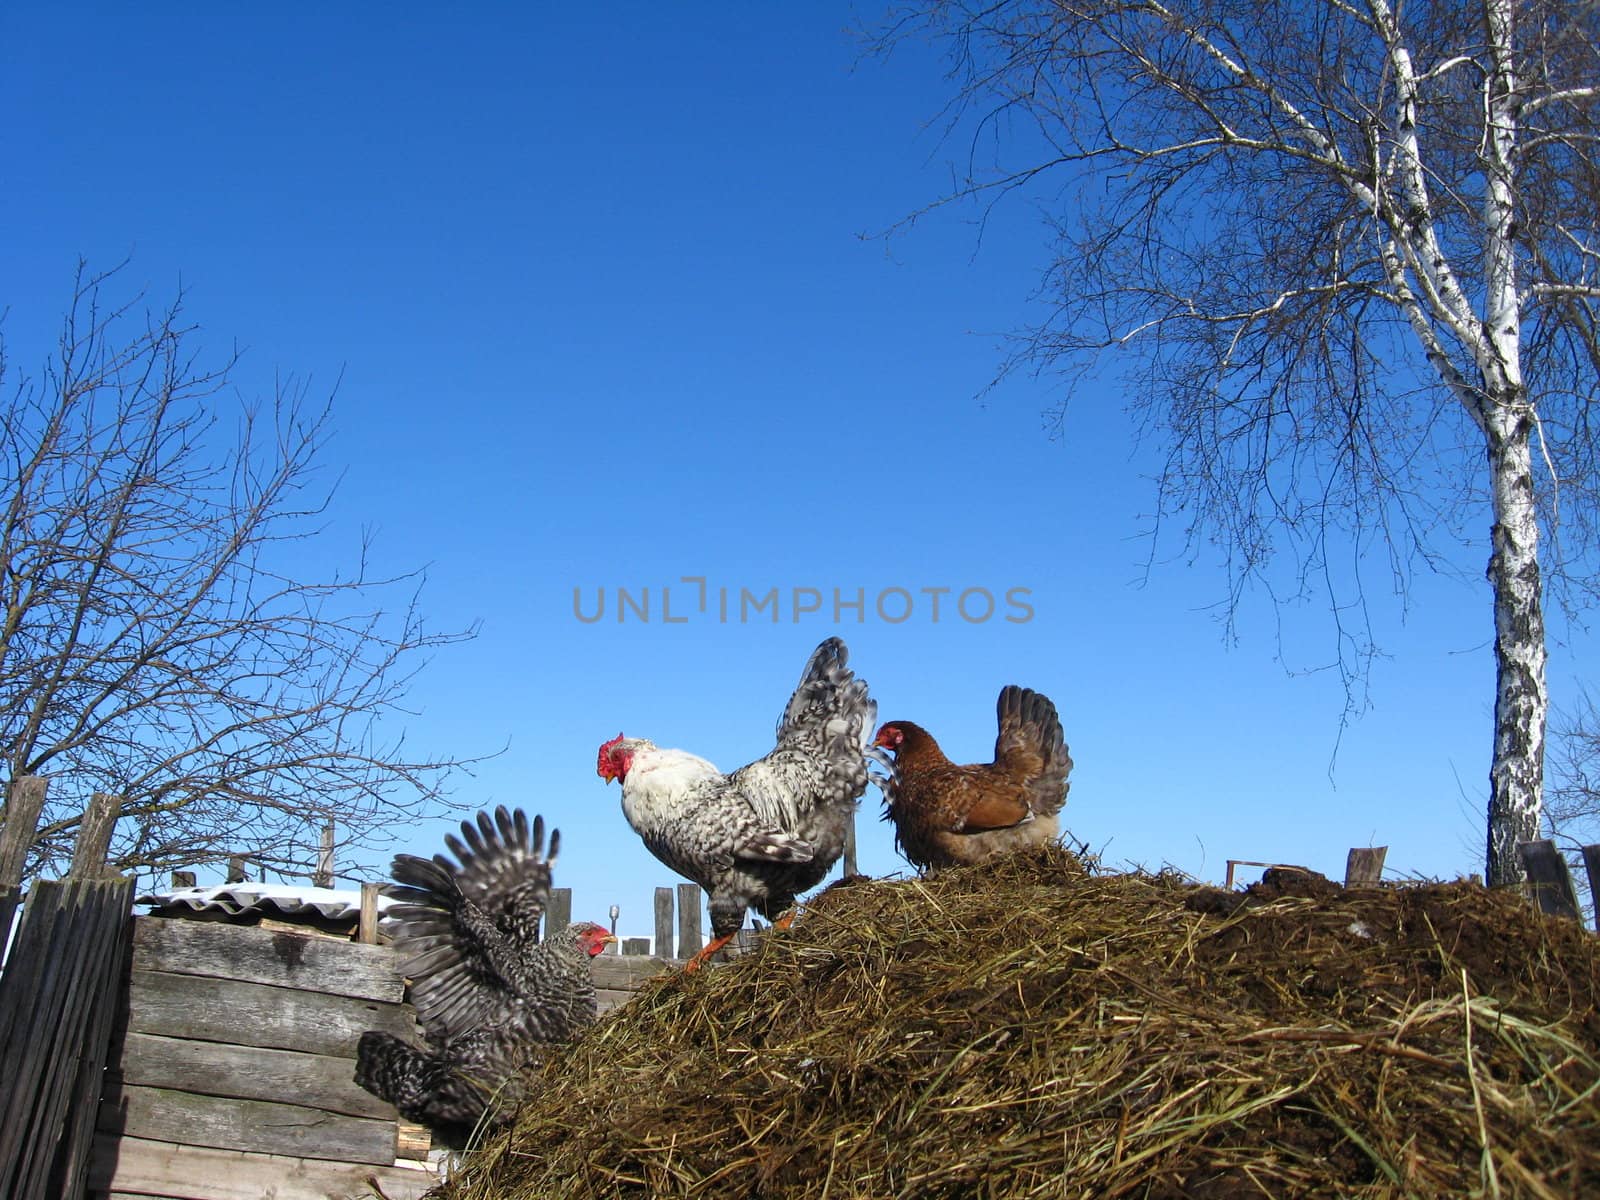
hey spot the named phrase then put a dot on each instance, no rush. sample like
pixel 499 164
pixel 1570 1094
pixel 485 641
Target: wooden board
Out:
pixel 625 972
pixel 249 1073
pixel 1364 866
pixel 247 1125
pixel 254 1014
pixel 138 1167
pixel 1549 881
pixel 278 957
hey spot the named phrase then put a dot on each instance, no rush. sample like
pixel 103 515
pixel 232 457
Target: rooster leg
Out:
pixel 699 960
pixel 785 919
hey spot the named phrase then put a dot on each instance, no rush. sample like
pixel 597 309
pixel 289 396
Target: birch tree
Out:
pixel 1346 254
pixel 166 638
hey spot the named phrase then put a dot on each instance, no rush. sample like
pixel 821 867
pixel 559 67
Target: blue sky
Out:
pixel 598 290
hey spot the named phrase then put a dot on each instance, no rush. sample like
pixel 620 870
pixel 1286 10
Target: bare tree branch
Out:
pixel 161 641
pixel 1346 254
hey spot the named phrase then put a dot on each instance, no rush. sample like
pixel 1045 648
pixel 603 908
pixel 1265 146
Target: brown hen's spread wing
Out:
pixel 1030 747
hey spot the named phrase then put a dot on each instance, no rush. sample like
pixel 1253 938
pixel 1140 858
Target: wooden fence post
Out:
pixel 94 836
pixel 1591 865
pixel 689 941
pixel 636 947
pixel 367 926
pixel 324 875
pixel 850 847
pixel 183 879
pixel 559 914
pixel 236 872
pixel 663 922
pixel 24 803
pixel 1364 866
pixel 1549 881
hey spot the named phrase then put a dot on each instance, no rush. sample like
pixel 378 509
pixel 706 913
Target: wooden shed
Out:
pixel 231 1076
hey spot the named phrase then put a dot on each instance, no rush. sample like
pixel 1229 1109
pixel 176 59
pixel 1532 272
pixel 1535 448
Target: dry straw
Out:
pixel 1032 1028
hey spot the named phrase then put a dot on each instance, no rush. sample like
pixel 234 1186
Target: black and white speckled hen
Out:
pixel 491 998
pixel 758 837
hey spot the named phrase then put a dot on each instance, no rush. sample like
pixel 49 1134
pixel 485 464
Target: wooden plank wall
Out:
pixel 618 976
pixel 234 1075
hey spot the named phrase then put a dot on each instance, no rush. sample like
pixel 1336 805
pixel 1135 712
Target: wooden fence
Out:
pixel 235 1073
pixel 58 998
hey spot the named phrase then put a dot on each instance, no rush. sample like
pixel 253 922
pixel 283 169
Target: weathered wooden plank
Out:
pixel 689 939
pixel 1591 865
pixel 323 876
pixel 663 945
pixel 367 922
pixel 10 901
pixel 636 947
pixel 1548 879
pixel 249 1073
pixel 1364 866
pixel 254 1126
pixel 139 1167
pixel 24 802
pixel 272 956
pixel 624 971
pixel 558 914
pixel 256 1014
pixel 94 836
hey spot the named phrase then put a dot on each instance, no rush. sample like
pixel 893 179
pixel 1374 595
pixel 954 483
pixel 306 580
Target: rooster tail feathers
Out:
pixel 1031 727
pixel 831 715
pixel 827 692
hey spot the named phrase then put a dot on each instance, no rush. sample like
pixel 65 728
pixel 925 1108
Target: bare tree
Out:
pixel 1351 251
pixel 163 640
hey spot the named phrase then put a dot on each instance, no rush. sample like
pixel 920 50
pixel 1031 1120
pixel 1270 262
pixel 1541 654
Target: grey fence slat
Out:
pixel 1591 865
pixel 559 914
pixel 689 940
pixel 94 836
pixel 10 901
pixel 663 941
pixel 1364 866
pixel 1549 878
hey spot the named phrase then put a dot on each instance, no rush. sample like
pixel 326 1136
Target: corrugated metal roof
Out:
pixel 286 899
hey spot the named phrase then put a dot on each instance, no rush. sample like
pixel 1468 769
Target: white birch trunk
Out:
pixel 1516 776
pixel 1521 702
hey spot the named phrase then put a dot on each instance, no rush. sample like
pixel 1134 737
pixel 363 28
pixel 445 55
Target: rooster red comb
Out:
pixel 603 759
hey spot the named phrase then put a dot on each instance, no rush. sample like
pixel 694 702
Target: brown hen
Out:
pixel 945 814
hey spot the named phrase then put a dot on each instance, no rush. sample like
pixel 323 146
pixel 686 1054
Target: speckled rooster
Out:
pixel 758 837
pixel 490 996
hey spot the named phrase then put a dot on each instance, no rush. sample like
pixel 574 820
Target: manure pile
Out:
pixel 1030 1028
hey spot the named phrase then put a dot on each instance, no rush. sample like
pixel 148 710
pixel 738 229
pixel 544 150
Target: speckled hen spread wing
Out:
pixel 823 749
pixel 467 931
